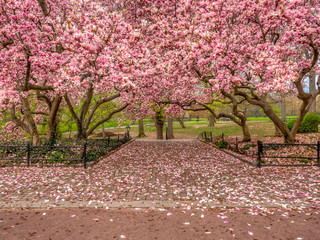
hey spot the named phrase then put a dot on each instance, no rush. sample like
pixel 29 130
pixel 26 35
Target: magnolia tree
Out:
pixel 104 46
pixel 31 57
pixel 243 50
pixel 54 50
pixel 253 49
pixel 161 78
pixel 165 53
pixel 169 33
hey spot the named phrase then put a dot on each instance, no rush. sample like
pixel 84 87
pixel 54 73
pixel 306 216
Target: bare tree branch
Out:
pixel 97 105
pixel 106 119
pixel 44 7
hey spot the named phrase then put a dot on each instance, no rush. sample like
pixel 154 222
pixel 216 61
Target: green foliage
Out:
pixel 62 150
pixel 222 144
pixel 308 125
pixel 290 124
pixel 268 119
pixel 274 109
pixel 58 155
pixel 304 160
pixel 248 146
pixel 94 155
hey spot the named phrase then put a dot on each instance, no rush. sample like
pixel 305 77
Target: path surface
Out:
pixel 161 224
pixel 161 174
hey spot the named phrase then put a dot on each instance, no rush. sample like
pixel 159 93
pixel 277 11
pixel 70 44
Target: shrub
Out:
pixel 93 155
pixel 248 146
pixel 222 144
pixel 290 124
pixel 308 125
pixel 58 155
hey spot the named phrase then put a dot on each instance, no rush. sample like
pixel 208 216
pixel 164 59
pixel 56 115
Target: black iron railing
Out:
pixel 262 147
pixel 61 154
pixel 206 136
pixel 30 154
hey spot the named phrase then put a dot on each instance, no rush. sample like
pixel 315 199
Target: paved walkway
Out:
pixel 161 174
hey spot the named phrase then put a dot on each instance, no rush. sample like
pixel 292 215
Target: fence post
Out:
pixel 237 144
pixel 28 154
pixel 211 136
pixel 85 155
pixel 108 140
pixel 205 135
pixel 318 152
pixel 166 133
pixel 259 153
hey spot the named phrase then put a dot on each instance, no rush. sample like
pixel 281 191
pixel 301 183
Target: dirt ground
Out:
pixel 160 224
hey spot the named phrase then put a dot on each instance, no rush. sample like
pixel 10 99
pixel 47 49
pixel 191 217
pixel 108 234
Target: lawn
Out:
pixel 193 129
pixel 260 126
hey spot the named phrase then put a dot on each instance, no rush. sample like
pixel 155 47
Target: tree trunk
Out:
pixel 81 132
pixel 35 139
pixel 211 121
pixel 141 129
pixel 312 90
pixel 283 109
pixel 170 129
pixel 288 136
pixel 30 122
pixel 159 125
pixel 53 120
pixel 181 122
pixel 245 131
pixel 241 115
pixel 277 131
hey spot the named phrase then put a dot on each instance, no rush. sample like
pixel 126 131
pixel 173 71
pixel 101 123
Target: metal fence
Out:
pixel 262 151
pixel 62 154
pixel 206 136
pixel 38 154
pixel 262 147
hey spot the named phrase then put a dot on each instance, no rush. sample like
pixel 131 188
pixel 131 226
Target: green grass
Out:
pixel 231 129
pixel 261 128
pixel 63 127
pixel 268 119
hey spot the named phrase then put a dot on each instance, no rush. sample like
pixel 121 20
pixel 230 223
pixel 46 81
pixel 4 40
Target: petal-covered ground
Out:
pixel 179 172
pixel 162 224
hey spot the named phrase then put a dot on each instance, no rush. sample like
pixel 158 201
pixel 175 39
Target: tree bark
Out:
pixel 30 122
pixel 141 129
pixel 53 119
pixel 312 90
pixel 44 7
pixel 83 122
pixel 265 106
pixel 181 122
pixel 159 125
pixel 170 129
pixel 245 132
pixel 211 120
pixel 107 118
pixel 278 133
pixel 288 136
pixel 283 109
pixel 241 115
